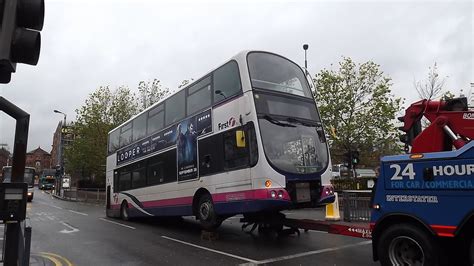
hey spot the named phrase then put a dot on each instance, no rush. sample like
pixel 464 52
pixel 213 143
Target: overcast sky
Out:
pixel 86 44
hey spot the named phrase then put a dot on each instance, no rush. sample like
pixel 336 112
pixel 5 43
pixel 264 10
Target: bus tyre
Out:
pixel 206 213
pixel 124 211
pixel 406 244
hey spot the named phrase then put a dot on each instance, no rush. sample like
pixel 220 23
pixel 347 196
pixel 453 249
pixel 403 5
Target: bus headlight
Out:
pixel 29 193
pixel 273 194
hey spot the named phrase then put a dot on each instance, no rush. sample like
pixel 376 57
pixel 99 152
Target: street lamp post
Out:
pixel 61 147
pixel 59 112
pixel 305 48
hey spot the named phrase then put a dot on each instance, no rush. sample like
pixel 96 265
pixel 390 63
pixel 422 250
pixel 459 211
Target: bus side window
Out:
pixel 139 176
pixel 155 174
pixel 226 82
pixel 162 168
pixel 234 156
pixel 125 181
pixel 210 151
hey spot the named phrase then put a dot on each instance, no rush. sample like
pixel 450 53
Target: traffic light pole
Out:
pixel 12 237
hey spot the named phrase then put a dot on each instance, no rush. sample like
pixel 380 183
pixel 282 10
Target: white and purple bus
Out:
pixel 244 139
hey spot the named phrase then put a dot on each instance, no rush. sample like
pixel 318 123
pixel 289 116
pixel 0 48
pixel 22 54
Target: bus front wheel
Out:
pixel 206 214
pixel 124 211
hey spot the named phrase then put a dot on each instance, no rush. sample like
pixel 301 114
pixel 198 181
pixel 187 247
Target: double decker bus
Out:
pixel 29 178
pixel 245 138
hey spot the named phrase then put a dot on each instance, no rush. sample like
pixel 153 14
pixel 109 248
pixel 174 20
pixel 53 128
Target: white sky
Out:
pixel 86 44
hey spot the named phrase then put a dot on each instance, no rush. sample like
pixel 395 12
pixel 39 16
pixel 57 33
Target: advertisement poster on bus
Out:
pixel 201 125
pixel 186 145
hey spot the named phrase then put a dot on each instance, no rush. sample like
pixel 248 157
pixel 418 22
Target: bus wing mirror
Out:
pixel 240 138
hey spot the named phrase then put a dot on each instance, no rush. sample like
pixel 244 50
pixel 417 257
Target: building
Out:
pixel 5 157
pixel 39 159
pixel 63 137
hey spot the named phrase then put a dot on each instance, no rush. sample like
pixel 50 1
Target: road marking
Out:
pixel 314 252
pixel 55 258
pixel 65 231
pixel 57 207
pixel 52 259
pixel 212 250
pixel 81 213
pixel 124 225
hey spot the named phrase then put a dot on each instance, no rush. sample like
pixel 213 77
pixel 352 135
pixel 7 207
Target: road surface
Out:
pixel 71 233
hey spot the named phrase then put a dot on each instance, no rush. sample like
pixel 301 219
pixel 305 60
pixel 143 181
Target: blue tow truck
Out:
pixel 423 202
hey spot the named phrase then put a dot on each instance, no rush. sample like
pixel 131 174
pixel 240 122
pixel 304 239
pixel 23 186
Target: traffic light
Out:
pixel 355 158
pixel 20 39
pixel 59 170
pixel 348 159
pixel 410 133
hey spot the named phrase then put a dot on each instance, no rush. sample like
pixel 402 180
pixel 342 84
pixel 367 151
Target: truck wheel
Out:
pixel 206 214
pixel 405 244
pixel 124 211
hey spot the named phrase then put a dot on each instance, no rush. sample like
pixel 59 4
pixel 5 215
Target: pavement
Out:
pixel 74 233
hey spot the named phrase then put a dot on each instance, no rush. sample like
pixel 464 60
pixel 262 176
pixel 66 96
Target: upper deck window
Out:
pixel 175 108
pixel 114 141
pixel 139 127
pixel 156 118
pixel 199 96
pixel 272 72
pixel 226 81
pixel 126 134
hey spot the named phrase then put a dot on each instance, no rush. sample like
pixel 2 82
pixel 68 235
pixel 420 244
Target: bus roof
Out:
pixel 238 57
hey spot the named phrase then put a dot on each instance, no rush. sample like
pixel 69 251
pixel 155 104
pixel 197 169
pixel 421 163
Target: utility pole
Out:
pixel 20 42
pixel 12 235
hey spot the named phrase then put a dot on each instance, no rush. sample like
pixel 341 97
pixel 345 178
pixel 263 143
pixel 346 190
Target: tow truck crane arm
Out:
pixel 451 124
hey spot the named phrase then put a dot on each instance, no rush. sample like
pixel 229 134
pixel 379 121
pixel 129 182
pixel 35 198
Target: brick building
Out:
pixel 62 138
pixel 5 157
pixel 39 159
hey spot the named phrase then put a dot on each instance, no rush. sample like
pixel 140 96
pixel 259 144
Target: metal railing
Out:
pixel 356 205
pixel 92 195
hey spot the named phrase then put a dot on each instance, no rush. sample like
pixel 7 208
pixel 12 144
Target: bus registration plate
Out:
pixel 303 192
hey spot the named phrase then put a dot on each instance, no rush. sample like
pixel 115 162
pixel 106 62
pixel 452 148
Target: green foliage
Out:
pixel 447 95
pixel 102 111
pixel 358 109
pixel 150 93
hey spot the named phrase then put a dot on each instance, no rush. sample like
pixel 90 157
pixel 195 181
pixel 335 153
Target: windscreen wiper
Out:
pixel 301 122
pixel 276 122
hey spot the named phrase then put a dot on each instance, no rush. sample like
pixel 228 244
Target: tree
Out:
pixel 102 111
pixel 358 109
pixel 150 93
pixel 432 87
pixel 87 153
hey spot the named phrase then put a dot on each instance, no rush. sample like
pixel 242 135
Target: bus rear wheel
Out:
pixel 124 211
pixel 206 214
